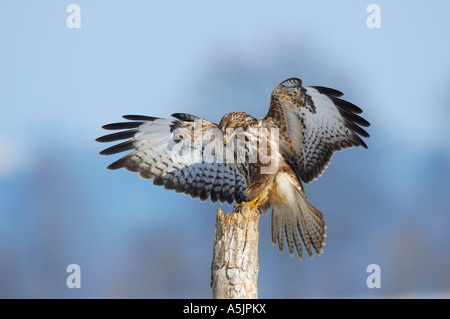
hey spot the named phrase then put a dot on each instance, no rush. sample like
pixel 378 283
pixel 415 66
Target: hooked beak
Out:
pixel 227 139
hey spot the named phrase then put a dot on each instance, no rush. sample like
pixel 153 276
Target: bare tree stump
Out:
pixel 234 269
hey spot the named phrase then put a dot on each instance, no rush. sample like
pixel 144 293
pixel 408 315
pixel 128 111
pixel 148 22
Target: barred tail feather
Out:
pixel 294 217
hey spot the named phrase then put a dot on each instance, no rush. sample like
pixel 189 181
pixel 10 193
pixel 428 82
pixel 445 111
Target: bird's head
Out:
pixel 231 122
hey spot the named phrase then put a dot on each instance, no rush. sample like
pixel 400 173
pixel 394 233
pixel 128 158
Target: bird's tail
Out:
pixel 293 215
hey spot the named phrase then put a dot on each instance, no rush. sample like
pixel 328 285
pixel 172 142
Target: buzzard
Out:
pixel 300 133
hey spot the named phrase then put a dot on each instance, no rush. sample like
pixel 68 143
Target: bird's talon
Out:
pixel 238 206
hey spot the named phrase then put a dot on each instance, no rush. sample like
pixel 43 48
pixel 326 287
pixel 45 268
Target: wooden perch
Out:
pixel 234 269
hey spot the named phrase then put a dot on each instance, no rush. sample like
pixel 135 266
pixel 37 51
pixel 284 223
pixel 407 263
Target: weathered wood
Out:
pixel 235 266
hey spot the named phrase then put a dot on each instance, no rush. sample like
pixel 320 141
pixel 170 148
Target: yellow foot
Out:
pixel 254 203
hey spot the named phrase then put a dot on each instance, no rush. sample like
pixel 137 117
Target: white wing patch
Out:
pixel 324 133
pixel 318 123
pixel 167 152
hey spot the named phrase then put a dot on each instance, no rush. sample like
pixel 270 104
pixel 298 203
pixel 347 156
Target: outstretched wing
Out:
pixel 178 154
pixel 314 123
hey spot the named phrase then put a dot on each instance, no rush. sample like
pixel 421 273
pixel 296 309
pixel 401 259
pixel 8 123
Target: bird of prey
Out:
pixel 303 128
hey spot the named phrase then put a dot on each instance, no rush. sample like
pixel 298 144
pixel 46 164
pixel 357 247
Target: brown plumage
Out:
pixel 262 162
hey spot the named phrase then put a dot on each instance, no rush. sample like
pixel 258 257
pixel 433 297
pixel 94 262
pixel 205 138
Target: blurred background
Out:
pixel 388 205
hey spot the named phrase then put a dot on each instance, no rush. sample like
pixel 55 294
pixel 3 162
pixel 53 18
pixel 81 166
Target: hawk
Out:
pixel 301 131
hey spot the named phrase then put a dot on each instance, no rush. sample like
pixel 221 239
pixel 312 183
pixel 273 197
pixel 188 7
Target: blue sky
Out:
pixel 60 85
